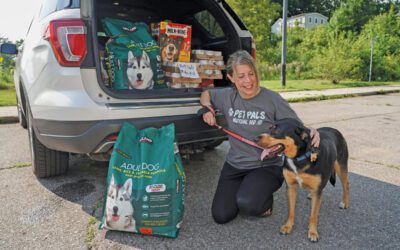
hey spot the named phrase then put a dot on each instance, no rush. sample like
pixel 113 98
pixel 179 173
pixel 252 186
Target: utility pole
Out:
pixel 284 34
pixel 370 59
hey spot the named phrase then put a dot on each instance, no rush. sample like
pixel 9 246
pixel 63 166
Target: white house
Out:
pixel 306 20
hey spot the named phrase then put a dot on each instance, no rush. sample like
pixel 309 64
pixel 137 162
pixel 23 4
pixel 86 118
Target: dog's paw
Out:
pixel 309 196
pixel 286 229
pixel 313 236
pixel 343 205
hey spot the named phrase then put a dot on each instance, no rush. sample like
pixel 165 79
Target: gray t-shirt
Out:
pixel 250 118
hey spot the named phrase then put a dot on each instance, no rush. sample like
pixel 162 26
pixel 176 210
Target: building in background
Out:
pixel 306 20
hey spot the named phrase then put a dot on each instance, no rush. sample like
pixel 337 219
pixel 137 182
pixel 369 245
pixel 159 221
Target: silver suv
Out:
pixel 68 107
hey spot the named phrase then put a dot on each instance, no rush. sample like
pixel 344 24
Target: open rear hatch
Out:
pixel 211 30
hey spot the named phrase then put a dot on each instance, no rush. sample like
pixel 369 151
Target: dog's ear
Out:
pixel 128 186
pixel 162 39
pixel 145 56
pixel 112 182
pixel 303 132
pixel 131 57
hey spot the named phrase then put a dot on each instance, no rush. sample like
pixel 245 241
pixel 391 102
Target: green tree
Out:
pixel 325 7
pixel 385 29
pixel 339 60
pixel 6 67
pixel 258 15
pixel 352 15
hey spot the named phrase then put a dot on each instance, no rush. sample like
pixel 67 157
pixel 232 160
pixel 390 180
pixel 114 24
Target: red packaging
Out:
pixel 207 83
pixel 174 39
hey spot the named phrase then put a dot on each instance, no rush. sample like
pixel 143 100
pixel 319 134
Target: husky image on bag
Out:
pixel 139 71
pixel 119 209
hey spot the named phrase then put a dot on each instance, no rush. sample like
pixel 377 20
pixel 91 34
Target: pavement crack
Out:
pixel 18 165
pixel 355 118
pixel 90 227
pixel 397 167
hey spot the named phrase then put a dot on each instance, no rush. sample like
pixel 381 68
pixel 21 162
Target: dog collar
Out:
pixel 303 157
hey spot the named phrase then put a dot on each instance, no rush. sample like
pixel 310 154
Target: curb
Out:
pixel 9 119
pixel 339 96
pixel 14 119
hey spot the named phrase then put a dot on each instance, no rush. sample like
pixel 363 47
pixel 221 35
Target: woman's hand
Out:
pixel 314 137
pixel 209 118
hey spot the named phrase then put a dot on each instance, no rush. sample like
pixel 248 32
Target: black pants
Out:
pixel 246 191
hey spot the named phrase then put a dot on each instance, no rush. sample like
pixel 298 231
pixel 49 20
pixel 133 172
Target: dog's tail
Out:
pixel 332 180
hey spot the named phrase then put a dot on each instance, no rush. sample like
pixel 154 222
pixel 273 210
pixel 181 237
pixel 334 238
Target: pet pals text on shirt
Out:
pixel 246 117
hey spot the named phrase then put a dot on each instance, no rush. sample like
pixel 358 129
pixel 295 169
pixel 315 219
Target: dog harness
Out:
pixel 298 160
pixel 264 152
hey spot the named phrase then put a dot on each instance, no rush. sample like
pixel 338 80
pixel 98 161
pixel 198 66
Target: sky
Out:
pixel 15 17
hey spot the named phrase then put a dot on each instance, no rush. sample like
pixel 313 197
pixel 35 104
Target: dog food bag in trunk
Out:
pixel 133 56
pixel 145 183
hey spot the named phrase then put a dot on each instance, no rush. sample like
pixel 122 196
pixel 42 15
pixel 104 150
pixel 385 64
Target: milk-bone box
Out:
pixel 174 40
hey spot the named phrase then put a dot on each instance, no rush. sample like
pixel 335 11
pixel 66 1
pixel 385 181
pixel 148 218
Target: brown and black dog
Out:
pixel 306 168
pixel 170 48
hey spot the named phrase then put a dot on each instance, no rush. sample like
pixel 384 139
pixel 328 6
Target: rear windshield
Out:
pixel 68 4
pixel 51 6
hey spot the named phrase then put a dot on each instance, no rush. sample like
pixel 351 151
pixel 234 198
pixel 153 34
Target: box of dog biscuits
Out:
pixel 174 40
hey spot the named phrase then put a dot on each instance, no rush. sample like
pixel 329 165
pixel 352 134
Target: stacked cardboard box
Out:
pixel 211 64
pixel 182 74
pixel 175 44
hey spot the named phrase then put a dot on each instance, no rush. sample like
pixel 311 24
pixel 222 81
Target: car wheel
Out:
pixel 45 162
pixel 21 116
pixel 213 144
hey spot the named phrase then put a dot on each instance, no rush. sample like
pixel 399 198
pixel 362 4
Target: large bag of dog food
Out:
pixel 145 183
pixel 133 56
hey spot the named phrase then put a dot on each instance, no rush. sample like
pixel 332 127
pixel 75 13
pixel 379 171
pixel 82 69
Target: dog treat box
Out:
pixel 182 74
pixel 174 40
pixel 211 63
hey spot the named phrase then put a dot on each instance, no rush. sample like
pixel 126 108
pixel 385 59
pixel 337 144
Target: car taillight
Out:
pixel 68 40
pixel 253 49
pixel 112 138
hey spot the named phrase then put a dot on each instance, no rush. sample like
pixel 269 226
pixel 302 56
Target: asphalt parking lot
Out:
pixel 64 212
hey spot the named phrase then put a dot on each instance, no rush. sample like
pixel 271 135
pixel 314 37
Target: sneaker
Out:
pixel 269 211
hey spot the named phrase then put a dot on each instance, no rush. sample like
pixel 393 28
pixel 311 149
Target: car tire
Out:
pixel 21 116
pixel 45 162
pixel 213 144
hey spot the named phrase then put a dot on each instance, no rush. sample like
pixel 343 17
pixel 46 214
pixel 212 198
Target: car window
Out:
pixel 75 3
pixel 209 23
pixel 64 4
pixel 48 7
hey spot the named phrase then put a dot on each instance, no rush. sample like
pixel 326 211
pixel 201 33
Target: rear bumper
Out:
pixel 88 137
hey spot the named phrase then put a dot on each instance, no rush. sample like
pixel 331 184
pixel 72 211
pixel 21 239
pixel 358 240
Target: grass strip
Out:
pixel 18 165
pixel 90 232
pixel 315 84
pixel 7 97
